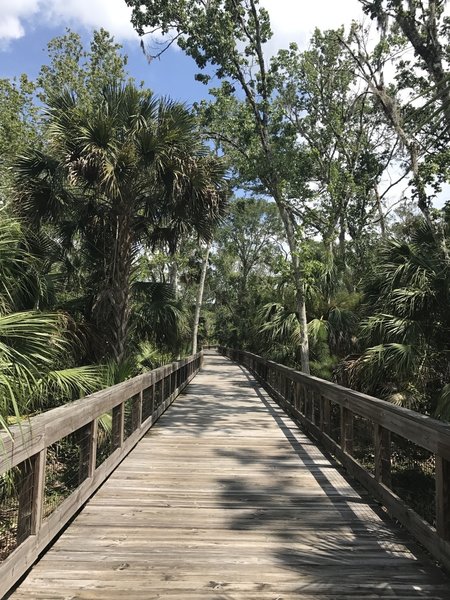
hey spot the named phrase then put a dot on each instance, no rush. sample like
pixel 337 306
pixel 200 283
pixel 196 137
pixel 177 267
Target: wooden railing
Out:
pixel 393 437
pixel 55 461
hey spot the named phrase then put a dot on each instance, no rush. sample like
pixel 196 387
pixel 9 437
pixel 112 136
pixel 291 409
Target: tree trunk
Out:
pixel 199 300
pixel 392 112
pixel 424 37
pixel 173 276
pixel 120 301
pixel 380 212
pixel 342 243
pixel 111 310
pixel 300 290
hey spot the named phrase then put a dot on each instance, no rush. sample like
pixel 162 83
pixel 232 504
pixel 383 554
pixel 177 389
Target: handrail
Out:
pixel 310 401
pixel 133 407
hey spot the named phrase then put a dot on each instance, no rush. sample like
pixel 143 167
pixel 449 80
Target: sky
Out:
pixel 27 25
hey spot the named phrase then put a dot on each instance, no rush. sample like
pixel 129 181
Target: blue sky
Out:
pixel 172 75
pixel 26 26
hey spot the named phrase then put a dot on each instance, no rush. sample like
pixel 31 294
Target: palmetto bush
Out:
pixel 35 346
pixel 407 332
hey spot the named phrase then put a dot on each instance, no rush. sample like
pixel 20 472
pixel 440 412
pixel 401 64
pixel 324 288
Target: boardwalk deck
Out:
pixel 225 499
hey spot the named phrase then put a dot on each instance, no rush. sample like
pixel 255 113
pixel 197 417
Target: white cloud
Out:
pixel 113 15
pixel 292 20
pixel 12 12
pixel 17 15
pixel 295 20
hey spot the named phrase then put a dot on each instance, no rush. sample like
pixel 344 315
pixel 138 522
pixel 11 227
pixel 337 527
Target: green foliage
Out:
pixel 18 127
pixel 33 344
pixel 86 72
pixel 322 102
pixel 125 173
pixel 159 318
pixel 407 328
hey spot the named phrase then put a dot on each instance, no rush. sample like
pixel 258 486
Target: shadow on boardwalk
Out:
pixel 225 499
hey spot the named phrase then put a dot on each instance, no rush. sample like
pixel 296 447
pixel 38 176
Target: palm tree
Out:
pixel 118 174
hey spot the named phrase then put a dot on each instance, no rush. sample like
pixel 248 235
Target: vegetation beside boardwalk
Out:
pixel 331 258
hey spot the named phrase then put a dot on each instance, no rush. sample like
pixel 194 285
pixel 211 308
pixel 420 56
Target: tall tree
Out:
pixel 119 170
pixel 322 100
pixel 18 127
pixel 228 36
pixel 417 142
pixel 424 23
pixel 85 71
pixel 199 298
pixel 406 330
pixel 249 233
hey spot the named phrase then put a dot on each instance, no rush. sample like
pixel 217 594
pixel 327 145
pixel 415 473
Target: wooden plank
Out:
pixel 118 424
pixel 136 411
pixel 260 512
pixel 93 438
pixel 38 491
pixel 26 487
pixel 382 438
pixel 443 498
pixel 424 431
pixel 346 430
pixel 13 567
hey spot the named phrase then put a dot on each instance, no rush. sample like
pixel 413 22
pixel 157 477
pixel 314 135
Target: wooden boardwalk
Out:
pixel 225 499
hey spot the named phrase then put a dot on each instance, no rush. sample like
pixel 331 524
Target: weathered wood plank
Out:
pixel 226 498
pixel 34 536
pixel 424 431
pixel 22 442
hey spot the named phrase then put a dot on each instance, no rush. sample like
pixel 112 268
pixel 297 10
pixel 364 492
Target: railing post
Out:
pixel 313 400
pixel 118 422
pixel 136 411
pixel 382 438
pixel 93 448
pixel 346 430
pixel 153 403
pixel 297 392
pixel 289 395
pixel 300 398
pixel 309 405
pixel 88 450
pixel 443 497
pixel 31 495
pixel 38 490
pixel 325 415
pixel 284 381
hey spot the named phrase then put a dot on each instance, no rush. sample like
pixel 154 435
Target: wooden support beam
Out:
pixel 346 430
pixel 37 505
pixel 31 485
pixel 118 422
pixel 325 418
pixel 443 498
pixel 93 438
pixel 382 438
pixel 136 411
